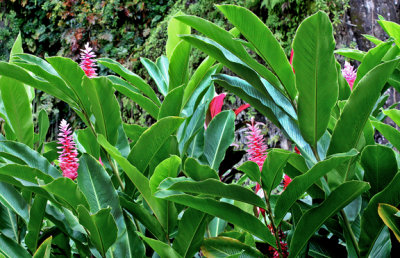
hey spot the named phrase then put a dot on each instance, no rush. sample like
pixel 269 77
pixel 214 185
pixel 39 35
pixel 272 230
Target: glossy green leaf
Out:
pixel 387 213
pixel 135 247
pixel 18 109
pixel 161 248
pixel 192 227
pixel 344 88
pixel 12 199
pixel 313 219
pixel 356 112
pixel 179 66
pixel 162 63
pixel 28 157
pixel 88 141
pixel 11 249
pixel 139 180
pixel 129 91
pixel 44 250
pixel 252 170
pixel 218 137
pixel 226 247
pixel 171 105
pixel 213 187
pixel 104 107
pixel 372 59
pixel 272 169
pixel 44 124
pixel 351 53
pixel 389 132
pixel 373 39
pixel 101 227
pixel 394 114
pixel 380 166
pixel 222 210
pixel 316 75
pixel 156 75
pixel 133 132
pixel 192 127
pixel 16 48
pixel 131 77
pixel 143 216
pixel 175 28
pixel 371 224
pixel 198 172
pixel 36 215
pixel 8 223
pixel 301 183
pixel 392 29
pixel 259 35
pixel 167 168
pixel 152 140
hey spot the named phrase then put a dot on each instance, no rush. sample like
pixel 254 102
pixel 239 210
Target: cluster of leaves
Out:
pixel 162 191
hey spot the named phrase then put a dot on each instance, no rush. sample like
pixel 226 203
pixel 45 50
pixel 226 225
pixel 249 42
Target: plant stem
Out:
pixel 350 231
pixel 271 218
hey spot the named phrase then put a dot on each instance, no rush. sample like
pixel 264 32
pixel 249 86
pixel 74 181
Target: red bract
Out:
pixel 284 247
pixel 241 108
pixel 257 149
pixel 349 73
pixel 291 59
pixel 286 181
pixel 216 105
pixel 88 64
pixel 68 158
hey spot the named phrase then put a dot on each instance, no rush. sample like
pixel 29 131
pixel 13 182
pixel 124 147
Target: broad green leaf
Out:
pixel 167 168
pixel 221 210
pixel 18 109
pixel 44 124
pixel 68 192
pixel 16 48
pixel 12 199
pixel 266 106
pixel 259 35
pixel 179 66
pixel 143 216
pixel 373 39
pixel 96 185
pixel 226 247
pixel 392 29
pixel 88 141
pixel 224 48
pixel 29 157
pixel 197 78
pixel 316 75
pixel 133 132
pixel 101 227
pixel 191 231
pixel 171 105
pixel 301 183
pixel 213 187
pixel 36 215
pixel 22 75
pixel 168 149
pixel 314 218
pixel 44 249
pixel 175 28
pixel 8 223
pixel 356 112
pixel 380 166
pixel 152 140
pixel 272 169
pixel 139 180
pixel 351 53
pixel 389 132
pixel 192 127
pixel 131 77
pixel 198 172
pixel 11 249
pixel 156 74
pixel 218 137
pixel 371 224
pixel 372 59
pixel 344 88
pixel 252 170
pixel 394 114
pixel 135 246
pixel 129 91
pixel 104 107
pixel 161 248
pixel 387 213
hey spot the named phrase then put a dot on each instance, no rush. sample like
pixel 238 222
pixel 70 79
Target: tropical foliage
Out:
pixel 175 189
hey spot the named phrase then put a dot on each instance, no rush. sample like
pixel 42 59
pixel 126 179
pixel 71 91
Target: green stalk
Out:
pixel 271 218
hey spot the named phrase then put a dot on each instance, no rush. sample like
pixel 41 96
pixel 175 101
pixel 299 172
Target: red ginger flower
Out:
pixel 286 181
pixel 349 73
pixel 68 158
pixel 88 64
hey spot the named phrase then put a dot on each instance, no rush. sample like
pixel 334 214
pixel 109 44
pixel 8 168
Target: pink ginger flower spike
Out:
pixel 349 73
pixel 68 159
pixel 88 64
